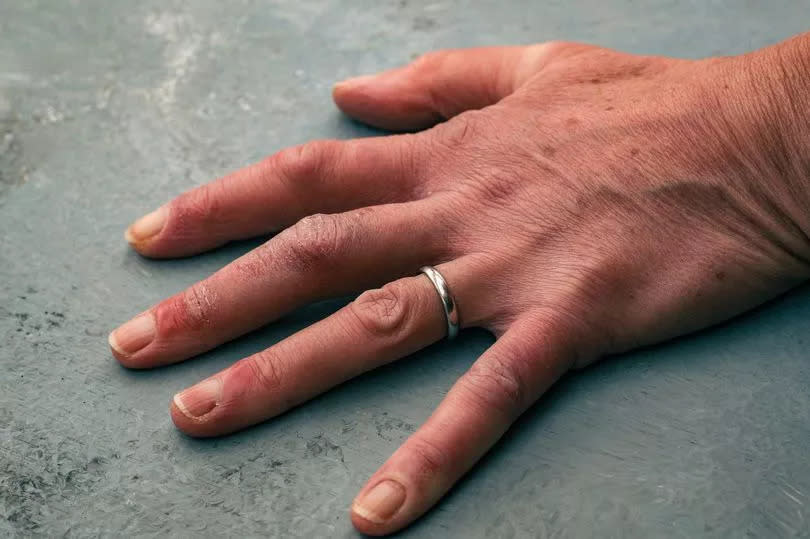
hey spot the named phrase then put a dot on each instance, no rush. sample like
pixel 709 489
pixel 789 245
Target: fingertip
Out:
pixel 345 87
pixel 352 97
pixel 364 526
pixel 147 247
pixel 387 100
pixel 124 359
pixel 183 423
pixel 145 229
pixel 194 427
pixel 172 231
pixel 381 507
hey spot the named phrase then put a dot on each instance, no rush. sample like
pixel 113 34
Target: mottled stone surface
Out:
pixel 109 108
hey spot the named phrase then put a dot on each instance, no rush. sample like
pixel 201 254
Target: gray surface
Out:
pixel 107 109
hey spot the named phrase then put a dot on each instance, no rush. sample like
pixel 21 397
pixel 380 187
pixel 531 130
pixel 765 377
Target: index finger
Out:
pixel 325 176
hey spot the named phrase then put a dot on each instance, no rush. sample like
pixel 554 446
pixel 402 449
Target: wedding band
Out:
pixel 448 301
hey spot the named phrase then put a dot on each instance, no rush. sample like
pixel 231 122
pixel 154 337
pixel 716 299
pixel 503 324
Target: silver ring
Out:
pixel 448 301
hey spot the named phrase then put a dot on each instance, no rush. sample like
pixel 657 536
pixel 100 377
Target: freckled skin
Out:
pixel 579 201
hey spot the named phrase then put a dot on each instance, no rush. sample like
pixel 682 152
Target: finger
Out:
pixel 437 86
pixel 320 256
pixel 380 326
pixel 479 408
pixel 327 176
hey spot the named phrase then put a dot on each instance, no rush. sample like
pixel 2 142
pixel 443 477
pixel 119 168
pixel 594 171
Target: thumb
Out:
pixel 437 86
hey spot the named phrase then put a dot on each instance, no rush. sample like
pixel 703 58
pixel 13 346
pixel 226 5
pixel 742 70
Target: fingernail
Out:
pixel 381 502
pixel 354 81
pixel 198 400
pixel 133 335
pixel 147 226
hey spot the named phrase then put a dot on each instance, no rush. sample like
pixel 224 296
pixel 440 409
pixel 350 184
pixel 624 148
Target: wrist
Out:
pixel 772 114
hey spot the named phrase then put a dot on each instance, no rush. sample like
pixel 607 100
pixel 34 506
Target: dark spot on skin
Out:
pixel 548 151
pixel 572 122
pixel 596 81
pixel 720 275
pixel 637 71
pixel 610 108
pixel 634 151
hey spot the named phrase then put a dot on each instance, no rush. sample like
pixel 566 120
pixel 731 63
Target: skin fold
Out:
pixel 579 201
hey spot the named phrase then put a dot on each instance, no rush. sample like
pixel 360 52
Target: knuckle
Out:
pixel 462 130
pixel 315 239
pixel 429 62
pixel 382 311
pixel 304 163
pixel 498 384
pixel 198 301
pixel 260 262
pixel 188 311
pixel 264 370
pixel 430 458
pixel 556 46
pixel 200 206
pixel 558 49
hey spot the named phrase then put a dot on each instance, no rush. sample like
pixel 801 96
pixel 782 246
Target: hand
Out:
pixel 579 202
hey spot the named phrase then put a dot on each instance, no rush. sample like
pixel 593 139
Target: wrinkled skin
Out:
pixel 579 201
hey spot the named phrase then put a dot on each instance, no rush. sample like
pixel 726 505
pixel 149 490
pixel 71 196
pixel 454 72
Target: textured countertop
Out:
pixel 109 108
